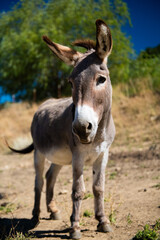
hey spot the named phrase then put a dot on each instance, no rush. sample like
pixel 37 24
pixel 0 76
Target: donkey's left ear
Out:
pixel 66 54
pixel 103 39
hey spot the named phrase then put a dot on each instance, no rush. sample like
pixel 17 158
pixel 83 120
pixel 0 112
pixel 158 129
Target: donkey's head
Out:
pixel 91 87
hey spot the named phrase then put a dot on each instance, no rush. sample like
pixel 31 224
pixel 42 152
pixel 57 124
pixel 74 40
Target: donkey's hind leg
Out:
pixel 51 176
pixel 39 167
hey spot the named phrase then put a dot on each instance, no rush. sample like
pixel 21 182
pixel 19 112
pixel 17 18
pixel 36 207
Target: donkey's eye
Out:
pixel 100 80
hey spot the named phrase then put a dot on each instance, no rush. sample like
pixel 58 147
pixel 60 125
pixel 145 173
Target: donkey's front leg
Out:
pixel 78 190
pixel 98 190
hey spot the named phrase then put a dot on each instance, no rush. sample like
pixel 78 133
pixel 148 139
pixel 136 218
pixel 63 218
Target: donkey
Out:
pixel 77 130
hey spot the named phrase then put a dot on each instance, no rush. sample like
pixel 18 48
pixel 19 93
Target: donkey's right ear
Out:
pixel 66 54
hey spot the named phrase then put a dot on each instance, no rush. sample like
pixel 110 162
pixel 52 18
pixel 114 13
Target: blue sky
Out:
pixel 145 30
pixel 145 17
pixel 5 97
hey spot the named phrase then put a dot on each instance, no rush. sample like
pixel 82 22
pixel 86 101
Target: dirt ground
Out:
pixel 132 190
pixel 132 197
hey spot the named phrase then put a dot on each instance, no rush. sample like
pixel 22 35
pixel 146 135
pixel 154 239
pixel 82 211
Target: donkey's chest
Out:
pixel 60 156
pixel 92 153
pixel 63 155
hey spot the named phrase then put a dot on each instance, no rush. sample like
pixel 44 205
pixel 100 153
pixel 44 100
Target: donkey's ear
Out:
pixel 103 39
pixel 66 54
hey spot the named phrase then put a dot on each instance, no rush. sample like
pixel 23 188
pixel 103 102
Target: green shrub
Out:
pixel 147 234
pixel 87 213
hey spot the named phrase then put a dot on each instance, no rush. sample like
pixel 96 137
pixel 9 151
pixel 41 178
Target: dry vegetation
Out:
pixel 137 120
pixel 15 122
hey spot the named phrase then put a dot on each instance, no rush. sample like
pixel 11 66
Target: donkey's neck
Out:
pixel 103 127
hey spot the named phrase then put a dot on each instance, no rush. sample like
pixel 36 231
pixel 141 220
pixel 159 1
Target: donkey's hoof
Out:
pixel 75 234
pixel 55 216
pixel 104 227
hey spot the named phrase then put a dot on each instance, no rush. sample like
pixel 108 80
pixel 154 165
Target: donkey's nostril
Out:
pixel 89 126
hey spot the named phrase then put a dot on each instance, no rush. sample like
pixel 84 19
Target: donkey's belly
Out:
pixel 60 156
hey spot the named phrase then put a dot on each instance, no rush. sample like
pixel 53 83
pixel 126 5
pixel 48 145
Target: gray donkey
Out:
pixel 77 130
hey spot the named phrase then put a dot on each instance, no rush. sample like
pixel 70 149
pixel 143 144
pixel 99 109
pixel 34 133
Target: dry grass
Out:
pixel 137 121
pixel 15 121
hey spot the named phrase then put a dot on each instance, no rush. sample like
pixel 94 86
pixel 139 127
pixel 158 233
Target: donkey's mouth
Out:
pixel 83 141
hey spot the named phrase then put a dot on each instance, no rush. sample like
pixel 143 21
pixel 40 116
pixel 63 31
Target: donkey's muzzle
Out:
pixel 82 131
pixel 85 123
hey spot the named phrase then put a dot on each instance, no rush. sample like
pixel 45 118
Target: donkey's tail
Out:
pixel 26 150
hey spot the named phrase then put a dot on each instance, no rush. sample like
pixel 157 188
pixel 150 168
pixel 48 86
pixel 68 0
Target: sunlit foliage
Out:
pixel 27 64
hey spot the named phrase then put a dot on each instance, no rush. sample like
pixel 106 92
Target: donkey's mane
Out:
pixel 86 43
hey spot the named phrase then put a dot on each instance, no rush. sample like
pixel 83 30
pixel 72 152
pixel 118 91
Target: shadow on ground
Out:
pixel 10 227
